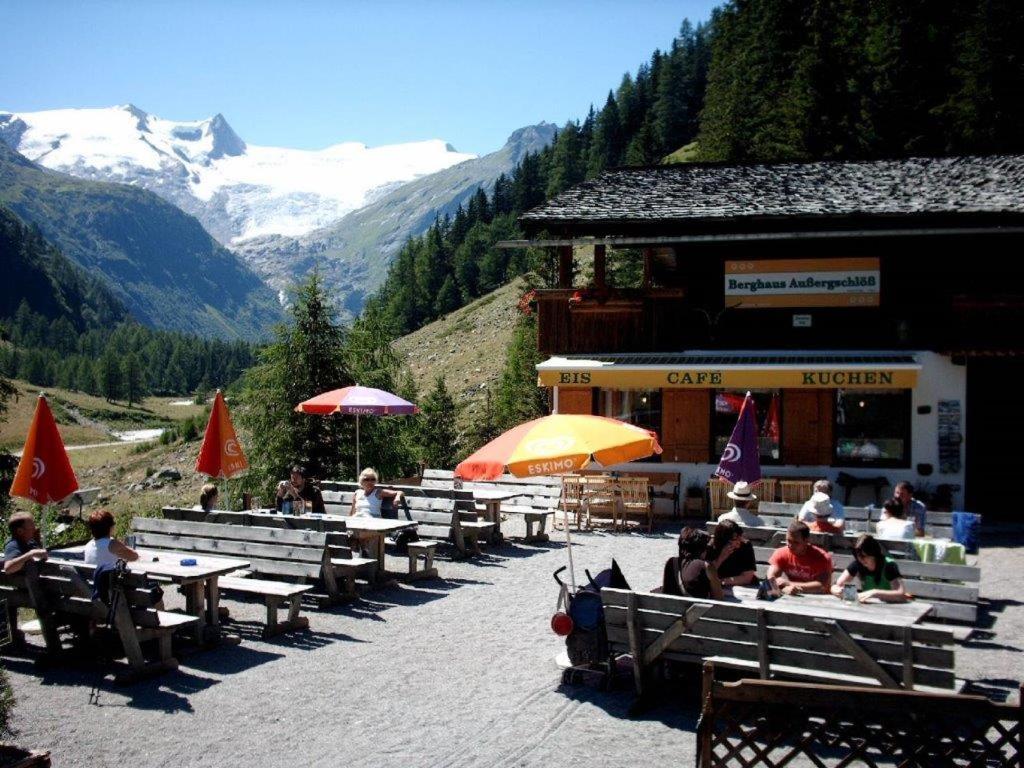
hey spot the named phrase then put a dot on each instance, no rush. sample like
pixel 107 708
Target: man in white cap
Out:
pixel 742 497
pixel 807 511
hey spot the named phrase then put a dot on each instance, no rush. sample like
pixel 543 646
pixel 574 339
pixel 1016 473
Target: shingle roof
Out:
pixel 691 193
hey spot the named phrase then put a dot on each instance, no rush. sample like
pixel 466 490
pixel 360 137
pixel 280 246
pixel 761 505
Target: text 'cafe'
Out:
pixel 814 286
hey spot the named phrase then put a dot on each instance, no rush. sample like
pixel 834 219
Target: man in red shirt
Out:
pixel 800 566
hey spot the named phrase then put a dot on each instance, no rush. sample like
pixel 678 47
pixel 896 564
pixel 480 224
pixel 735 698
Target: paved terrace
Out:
pixel 456 672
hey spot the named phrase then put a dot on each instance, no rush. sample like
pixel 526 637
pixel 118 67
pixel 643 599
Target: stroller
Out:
pixel 579 618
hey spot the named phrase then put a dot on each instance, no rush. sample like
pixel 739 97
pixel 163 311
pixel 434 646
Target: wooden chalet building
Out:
pixel 873 308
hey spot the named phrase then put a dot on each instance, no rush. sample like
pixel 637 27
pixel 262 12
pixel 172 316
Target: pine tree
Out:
pixel 438 438
pixel 134 383
pixel 607 146
pixel 519 398
pixel 306 358
pixel 566 161
pixel 108 373
pixel 8 463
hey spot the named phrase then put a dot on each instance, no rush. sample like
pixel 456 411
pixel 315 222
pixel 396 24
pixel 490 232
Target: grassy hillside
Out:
pixel 466 347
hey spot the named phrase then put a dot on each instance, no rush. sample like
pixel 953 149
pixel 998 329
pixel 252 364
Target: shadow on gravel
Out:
pixel 166 693
pixel 303 639
pixel 228 659
pixel 988 611
pixel 369 605
pixel 995 688
pixel 674 708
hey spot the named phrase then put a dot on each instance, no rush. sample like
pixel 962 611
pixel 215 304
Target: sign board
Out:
pixel 737 377
pixel 801 321
pixel 781 283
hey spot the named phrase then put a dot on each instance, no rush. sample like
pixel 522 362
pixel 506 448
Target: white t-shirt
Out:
pixel 97 552
pixel 894 528
pixel 368 506
pixel 742 516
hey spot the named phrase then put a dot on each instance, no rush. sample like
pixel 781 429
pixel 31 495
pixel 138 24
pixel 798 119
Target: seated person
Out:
pixel 103 549
pixel 24 544
pixel 799 567
pixel 305 496
pixel 366 501
pixel 742 497
pixel 208 498
pixel 878 573
pixel 732 555
pixel 892 525
pixel 838 512
pixel 822 509
pixel 912 508
pixel 689 574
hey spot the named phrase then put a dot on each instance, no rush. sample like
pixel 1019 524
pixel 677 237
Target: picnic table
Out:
pixel 198 583
pixel 491 499
pixel 374 530
pixel 831 607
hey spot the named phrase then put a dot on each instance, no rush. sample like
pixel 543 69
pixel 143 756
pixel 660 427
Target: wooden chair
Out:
pixel 766 489
pixel 636 498
pixel 571 500
pixel 796 491
pixel 716 493
pixel 601 494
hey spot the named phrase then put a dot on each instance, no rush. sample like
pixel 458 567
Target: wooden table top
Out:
pixel 168 564
pixel 492 495
pixel 831 607
pixel 375 524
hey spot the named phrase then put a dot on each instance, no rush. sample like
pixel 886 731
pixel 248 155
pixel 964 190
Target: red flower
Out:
pixel 527 302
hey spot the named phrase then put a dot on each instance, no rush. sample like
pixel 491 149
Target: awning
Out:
pixel 734 370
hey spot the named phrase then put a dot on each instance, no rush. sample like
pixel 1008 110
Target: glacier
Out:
pixel 237 190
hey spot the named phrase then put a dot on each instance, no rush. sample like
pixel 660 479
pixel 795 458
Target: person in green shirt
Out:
pixel 878 573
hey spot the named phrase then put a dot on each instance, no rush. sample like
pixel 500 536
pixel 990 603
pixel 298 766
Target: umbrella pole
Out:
pixel 358 468
pixel 568 544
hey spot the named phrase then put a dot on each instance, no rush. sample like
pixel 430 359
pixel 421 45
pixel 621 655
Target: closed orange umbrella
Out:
pixel 221 454
pixel 44 474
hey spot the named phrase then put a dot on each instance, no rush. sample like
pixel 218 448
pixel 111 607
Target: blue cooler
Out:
pixel 967 530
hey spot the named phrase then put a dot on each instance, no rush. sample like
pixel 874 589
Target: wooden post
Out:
pixel 705 726
pixel 908 658
pixel 565 266
pixel 635 646
pixel 648 259
pixel 599 267
pixel 763 657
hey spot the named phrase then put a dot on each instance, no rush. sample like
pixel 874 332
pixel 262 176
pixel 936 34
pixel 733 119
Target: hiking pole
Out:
pixel 116 581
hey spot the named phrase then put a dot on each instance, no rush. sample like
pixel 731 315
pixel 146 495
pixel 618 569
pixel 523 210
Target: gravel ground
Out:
pixel 455 672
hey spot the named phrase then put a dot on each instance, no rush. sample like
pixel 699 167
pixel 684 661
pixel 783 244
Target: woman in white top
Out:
pixel 366 501
pixel 103 549
pixel 892 525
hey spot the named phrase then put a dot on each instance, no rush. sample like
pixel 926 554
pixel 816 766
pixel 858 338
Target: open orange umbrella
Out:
pixel 44 473
pixel 221 454
pixel 556 444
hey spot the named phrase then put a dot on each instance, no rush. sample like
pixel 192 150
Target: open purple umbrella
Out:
pixel 357 401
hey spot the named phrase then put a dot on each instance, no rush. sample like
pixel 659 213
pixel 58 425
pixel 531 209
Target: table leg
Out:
pixel 494 508
pixel 195 606
pixel 212 603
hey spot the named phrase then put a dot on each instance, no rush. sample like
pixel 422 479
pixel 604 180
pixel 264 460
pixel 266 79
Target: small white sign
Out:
pixel 801 321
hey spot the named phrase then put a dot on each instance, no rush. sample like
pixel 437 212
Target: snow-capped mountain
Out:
pixel 238 191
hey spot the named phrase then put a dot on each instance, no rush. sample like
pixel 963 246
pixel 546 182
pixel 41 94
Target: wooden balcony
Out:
pixel 579 321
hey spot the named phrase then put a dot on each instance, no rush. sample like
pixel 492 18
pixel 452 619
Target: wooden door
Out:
pixel 686 425
pixel 807 426
pixel 579 400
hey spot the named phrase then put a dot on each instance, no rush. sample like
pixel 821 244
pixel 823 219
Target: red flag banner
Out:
pixel 44 474
pixel 221 454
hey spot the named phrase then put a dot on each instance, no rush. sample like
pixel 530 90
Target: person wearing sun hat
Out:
pixel 742 497
pixel 821 506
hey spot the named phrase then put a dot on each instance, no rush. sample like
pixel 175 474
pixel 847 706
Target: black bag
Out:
pixel 403 537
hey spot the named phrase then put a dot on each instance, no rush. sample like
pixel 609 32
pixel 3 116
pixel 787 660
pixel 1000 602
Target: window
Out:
pixel 635 406
pixel 725 409
pixel 872 428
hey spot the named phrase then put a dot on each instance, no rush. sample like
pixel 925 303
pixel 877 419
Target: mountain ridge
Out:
pixel 158 261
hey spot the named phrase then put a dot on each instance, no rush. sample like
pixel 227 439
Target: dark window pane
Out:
pixel 725 409
pixel 635 406
pixel 872 428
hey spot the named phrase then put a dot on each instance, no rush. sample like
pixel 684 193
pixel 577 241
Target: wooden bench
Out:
pixel 438 519
pixel 767 724
pixel 938 525
pixel 464 502
pixel 296 556
pixel 774 643
pixel 953 590
pixel 59 592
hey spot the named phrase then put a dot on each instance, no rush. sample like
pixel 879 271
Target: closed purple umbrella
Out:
pixel 357 401
pixel 741 459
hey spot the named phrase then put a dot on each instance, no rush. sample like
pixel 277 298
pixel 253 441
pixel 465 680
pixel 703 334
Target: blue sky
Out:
pixel 310 74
